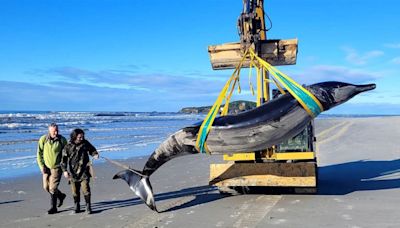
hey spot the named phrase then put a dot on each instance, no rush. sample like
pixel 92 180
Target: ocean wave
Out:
pixel 21 131
pixel 113 149
pixel 108 137
pixel 10 142
pixel 17 125
pixel 18 158
pixel 18 115
pixel 110 147
pixel 105 137
pixel 34 121
pixel 84 115
pixel 44 125
pixel 122 134
pixel 19 150
pixel 127 128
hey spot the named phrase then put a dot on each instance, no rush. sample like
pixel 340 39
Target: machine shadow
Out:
pixel 342 179
pixel 200 195
pixel 345 178
pixel 338 179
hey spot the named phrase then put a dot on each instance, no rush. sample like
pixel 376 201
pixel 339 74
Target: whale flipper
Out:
pixel 140 185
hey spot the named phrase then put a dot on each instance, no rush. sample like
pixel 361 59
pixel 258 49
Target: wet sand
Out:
pixel 359 186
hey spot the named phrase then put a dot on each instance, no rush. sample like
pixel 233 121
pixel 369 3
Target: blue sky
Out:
pixel 119 55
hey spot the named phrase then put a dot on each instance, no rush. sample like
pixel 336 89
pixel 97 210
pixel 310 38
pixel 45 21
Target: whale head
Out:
pixel 331 94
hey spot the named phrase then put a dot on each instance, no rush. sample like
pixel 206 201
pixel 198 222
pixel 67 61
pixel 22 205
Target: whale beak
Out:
pixel 363 88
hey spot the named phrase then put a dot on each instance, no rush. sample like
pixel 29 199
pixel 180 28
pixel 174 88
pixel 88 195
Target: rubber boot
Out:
pixel 77 206
pixel 88 205
pixel 53 203
pixel 61 197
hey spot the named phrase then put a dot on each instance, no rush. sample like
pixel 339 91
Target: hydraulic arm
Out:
pixel 290 164
pixel 251 24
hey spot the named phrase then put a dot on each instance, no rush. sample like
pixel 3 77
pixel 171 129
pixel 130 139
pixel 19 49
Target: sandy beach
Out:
pixel 359 186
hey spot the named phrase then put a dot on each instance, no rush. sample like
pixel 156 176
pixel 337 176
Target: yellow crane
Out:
pixel 290 164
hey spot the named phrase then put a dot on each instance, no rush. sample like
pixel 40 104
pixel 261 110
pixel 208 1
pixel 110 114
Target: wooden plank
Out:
pixel 294 156
pixel 275 52
pixel 240 157
pixel 302 174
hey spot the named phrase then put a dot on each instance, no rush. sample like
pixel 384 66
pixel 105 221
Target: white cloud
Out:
pixel 396 60
pixel 164 83
pixel 361 59
pixel 71 96
pixel 366 108
pixel 392 45
pixel 322 73
pixel 124 90
pixel 172 90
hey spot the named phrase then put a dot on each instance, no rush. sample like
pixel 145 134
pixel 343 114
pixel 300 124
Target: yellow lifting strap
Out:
pixel 209 120
pixel 308 101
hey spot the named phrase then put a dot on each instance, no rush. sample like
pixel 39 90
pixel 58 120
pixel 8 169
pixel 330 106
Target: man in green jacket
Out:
pixel 48 158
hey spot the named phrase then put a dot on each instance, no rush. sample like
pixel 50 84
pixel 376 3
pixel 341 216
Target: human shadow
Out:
pixel 11 201
pixel 363 175
pixel 201 194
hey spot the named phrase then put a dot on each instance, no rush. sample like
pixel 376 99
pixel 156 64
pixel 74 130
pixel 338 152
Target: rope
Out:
pixel 307 100
pixel 91 169
pixel 123 166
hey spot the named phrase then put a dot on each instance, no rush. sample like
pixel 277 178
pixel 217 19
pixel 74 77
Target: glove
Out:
pixel 66 174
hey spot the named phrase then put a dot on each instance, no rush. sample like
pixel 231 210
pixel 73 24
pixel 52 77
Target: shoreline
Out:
pixel 34 170
pixel 359 186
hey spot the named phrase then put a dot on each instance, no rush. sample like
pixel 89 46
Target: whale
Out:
pixel 269 124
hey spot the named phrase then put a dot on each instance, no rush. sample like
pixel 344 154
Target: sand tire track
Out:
pixel 343 128
pixel 251 213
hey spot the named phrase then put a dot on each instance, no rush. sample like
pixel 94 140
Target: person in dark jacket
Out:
pixel 76 166
pixel 48 157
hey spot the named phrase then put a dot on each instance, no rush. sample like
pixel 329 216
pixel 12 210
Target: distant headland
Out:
pixel 234 107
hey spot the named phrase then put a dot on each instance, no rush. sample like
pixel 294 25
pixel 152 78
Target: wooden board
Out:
pixel 302 174
pixel 275 52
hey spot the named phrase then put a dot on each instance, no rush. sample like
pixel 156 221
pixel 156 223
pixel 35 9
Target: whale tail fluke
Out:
pixel 140 185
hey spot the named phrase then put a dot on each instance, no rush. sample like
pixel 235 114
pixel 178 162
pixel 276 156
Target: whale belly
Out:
pixel 257 136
